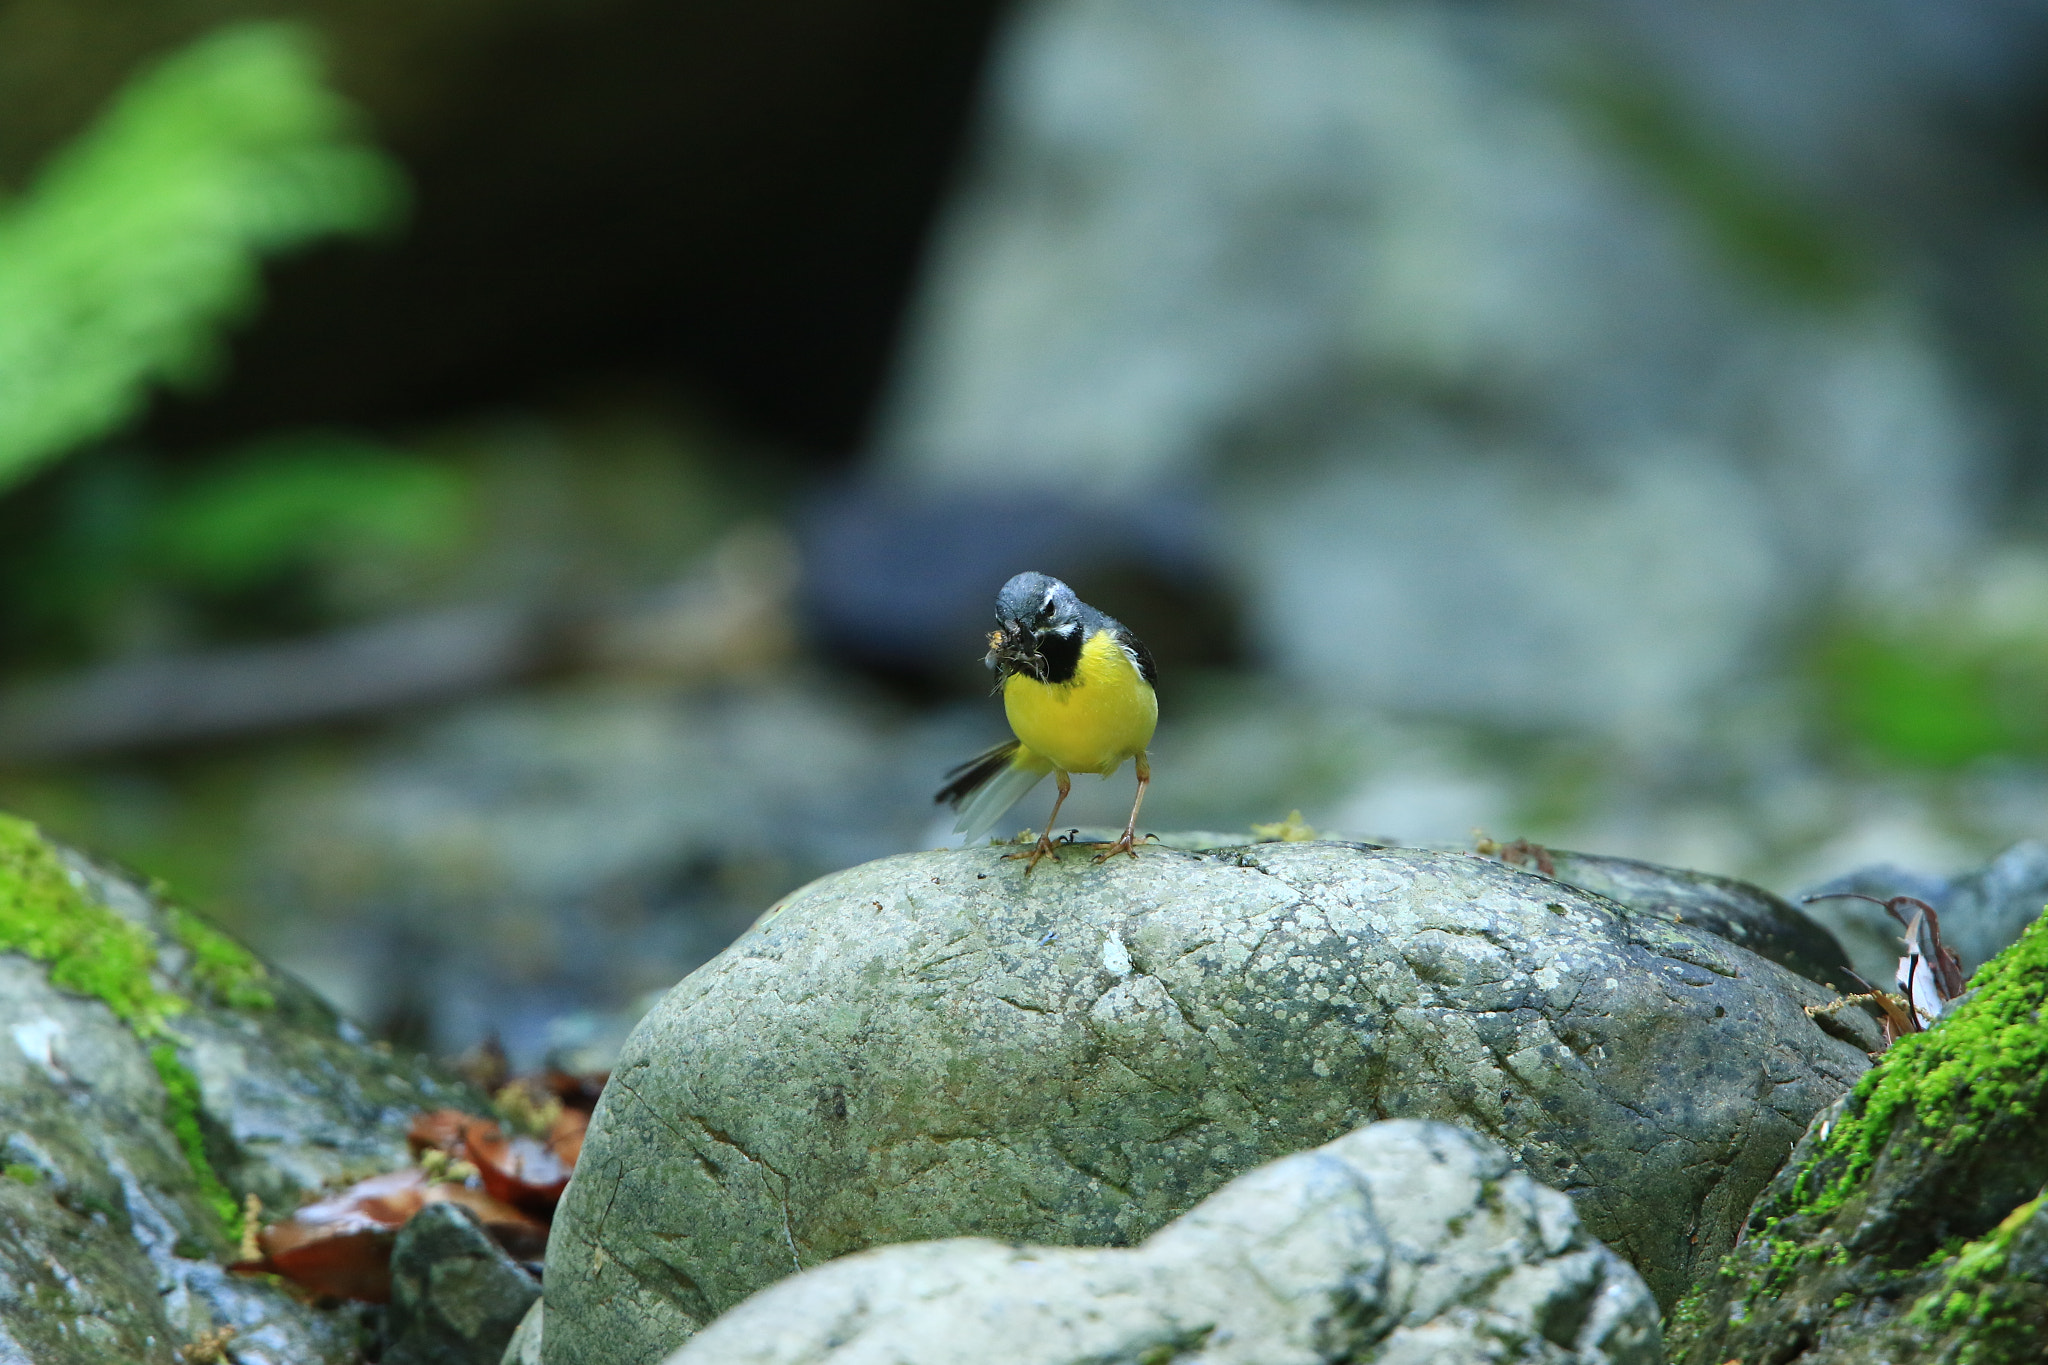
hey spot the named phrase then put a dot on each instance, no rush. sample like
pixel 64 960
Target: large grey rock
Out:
pixel 112 1247
pixel 1403 1241
pixel 936 1045
pixel 456 1297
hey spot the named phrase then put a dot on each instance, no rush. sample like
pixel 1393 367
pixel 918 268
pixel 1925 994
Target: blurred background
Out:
pixel 494 494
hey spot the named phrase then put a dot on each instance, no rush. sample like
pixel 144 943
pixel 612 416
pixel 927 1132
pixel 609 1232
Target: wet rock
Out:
pixel 153 1074
pixel 935 1045
pixel 1402 1241
pixel 1906 1227
pixel 1743 914
pixel 456 1297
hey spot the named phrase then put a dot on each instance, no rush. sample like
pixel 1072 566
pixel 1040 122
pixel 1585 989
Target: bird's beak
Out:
pixel 1015 647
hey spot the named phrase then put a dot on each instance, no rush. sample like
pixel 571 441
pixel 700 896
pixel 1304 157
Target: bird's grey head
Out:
pixel 1038 631
pixel 1038 603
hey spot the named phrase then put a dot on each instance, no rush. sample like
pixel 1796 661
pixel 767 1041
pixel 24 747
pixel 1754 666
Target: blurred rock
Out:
pixel 125 1148
pixel 903 582
pixel 502 865
pixel 1498 422
pixel 1982 911
pixel 728 617
pixel 933 1045
pixel 456 1297
pixel 1403 1240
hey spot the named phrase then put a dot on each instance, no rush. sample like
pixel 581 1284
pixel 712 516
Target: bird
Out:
pixel 1077 688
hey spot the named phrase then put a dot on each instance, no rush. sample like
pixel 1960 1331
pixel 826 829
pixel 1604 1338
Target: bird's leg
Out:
pixel 1125 844
pixel 1043 848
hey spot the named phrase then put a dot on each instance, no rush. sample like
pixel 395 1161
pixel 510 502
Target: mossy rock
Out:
pixel 1908 1225
pixel 153 1073
pixel 937 1045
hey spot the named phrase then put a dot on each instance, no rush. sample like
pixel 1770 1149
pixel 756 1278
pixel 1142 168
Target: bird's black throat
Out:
pixel 1047 657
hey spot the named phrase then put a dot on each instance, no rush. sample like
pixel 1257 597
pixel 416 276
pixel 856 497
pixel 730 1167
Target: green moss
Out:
pixel 21 1174
pixel 181 1104
pixel 221 967
pixel 89 949
pixel 1960 1298
pixel 93 951
pixel 1687 1319
pixel 1922 703
pixel 1783 1260
pixel 1988 1059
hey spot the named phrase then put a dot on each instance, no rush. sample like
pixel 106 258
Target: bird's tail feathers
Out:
pixel 984 787
pixel 962 780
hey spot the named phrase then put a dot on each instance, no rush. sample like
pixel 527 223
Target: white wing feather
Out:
pixel 981 811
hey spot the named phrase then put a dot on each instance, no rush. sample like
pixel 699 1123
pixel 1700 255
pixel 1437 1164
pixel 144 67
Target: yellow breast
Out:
pixel 1092 723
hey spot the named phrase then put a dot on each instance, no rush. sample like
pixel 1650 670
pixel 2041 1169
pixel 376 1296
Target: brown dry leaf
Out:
pixel 565 1137
pixel 1519 853
pixel 438 1130
pixel 341 1246
pixel 524 1237
pixel 523 1171
pixel 574 1091
pixel 1929 976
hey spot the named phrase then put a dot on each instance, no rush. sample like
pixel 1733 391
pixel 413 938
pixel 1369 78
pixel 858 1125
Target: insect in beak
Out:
pixel 1015 649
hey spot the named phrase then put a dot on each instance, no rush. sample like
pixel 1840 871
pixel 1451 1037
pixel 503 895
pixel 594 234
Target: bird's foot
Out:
pixel 1042 849
pixel 1127 844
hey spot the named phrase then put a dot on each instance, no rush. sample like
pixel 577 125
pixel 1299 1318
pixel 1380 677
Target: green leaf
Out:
pixel 143 239
pixel 307 500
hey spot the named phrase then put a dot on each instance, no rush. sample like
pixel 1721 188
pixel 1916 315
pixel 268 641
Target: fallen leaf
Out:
pixel 566 1136
pixel 438 1130
pixel 525 1172
pixel 341 1246
pixel 577 1092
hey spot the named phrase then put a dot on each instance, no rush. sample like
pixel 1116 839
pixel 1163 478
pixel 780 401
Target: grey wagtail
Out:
pixel 1077 687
